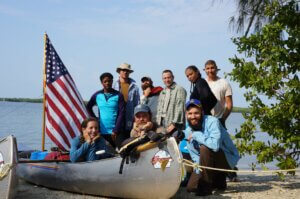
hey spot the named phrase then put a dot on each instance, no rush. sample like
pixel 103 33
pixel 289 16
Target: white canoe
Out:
pixel 8 159
pixel 143 179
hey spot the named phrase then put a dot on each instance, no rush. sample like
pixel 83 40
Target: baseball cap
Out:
pixel 146 78
pixel 193 102
pixel 141 108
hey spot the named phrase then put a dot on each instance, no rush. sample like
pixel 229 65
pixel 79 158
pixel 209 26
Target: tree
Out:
pixel 269 65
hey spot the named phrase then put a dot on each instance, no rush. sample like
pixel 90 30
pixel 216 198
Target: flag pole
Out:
pixel 44 93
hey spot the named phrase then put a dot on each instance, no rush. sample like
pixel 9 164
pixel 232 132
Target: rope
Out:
pixel 197 166
pixel 4 170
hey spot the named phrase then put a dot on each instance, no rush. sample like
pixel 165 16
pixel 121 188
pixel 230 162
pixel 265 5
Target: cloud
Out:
pixel 153 23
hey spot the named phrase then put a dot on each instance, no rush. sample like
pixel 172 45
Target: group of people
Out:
pixel 123 113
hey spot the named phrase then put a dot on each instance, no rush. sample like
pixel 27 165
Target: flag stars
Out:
pixel 54 66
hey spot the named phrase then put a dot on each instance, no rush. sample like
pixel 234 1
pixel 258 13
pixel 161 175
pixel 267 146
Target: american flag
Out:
pixel 64 107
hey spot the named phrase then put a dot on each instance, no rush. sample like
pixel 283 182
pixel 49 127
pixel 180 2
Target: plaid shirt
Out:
pixel 176 107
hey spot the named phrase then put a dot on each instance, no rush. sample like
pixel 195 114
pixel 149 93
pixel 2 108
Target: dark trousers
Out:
pixel 119 139
pixel 109 139
pixel 208 179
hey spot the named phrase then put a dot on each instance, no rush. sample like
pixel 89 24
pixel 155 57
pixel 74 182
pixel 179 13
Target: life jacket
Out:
pixel 57 155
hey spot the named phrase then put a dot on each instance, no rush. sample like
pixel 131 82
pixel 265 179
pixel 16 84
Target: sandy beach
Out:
pixel 252 186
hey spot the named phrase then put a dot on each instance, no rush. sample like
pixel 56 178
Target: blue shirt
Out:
pixel 214 136
pixel 111 108
pixel 87 152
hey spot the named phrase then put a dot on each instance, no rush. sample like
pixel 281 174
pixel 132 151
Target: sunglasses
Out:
pixel 125 70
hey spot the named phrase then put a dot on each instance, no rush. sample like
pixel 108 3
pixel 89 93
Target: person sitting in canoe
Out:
pixel 142 121
pixel 142 132
pixel 85 146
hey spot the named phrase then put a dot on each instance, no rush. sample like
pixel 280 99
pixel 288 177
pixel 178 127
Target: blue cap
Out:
pixel 193 102
pixel 142 108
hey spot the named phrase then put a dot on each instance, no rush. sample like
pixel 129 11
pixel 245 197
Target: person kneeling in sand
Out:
pixel 210 145
pixel 85 146
pixel 142 121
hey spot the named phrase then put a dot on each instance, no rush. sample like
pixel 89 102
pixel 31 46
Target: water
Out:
pixel 24 121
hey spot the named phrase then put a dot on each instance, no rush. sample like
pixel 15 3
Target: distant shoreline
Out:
pixel 40 100
pixel 31 100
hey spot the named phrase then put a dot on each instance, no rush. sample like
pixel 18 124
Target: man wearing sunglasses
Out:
pixel 130 91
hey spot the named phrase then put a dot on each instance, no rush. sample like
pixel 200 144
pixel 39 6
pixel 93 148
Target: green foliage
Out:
pixel 269 67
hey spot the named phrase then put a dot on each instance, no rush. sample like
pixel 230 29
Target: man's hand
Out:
pixel 170 128
pixel 113 136
pixel 147 92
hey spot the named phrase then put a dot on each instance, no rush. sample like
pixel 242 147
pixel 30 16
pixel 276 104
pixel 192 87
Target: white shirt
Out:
pixel 221 89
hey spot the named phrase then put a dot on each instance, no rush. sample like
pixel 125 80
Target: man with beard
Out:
pixel 150 95
pixel 209 145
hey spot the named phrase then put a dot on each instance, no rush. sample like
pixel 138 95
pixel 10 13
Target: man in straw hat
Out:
pixel 210 145
pixel 130 91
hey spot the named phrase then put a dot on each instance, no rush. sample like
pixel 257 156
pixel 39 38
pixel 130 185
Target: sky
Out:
pixel 96 36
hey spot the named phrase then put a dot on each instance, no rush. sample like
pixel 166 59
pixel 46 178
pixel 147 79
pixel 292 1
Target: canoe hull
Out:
pixel 138 180
pixel 8 155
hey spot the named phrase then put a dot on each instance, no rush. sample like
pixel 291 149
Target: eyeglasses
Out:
pixel 125 70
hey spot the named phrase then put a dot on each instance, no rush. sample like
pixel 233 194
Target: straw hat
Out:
pixel 124 66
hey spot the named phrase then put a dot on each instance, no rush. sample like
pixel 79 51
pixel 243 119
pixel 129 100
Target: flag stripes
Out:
pixel 61 116
pixel 75 91
pixel 66 88
pixel 61 129
pixel 56 130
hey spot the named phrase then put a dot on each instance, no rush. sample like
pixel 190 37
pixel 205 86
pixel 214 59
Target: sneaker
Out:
pixel 232 176
pixel 220 184
pixel 203 193
pixel 204 189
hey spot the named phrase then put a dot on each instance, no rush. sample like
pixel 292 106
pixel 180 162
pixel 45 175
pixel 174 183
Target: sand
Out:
pixel 249 186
